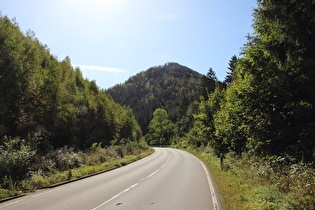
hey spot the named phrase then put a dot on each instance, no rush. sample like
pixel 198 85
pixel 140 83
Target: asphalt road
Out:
pixel 167 179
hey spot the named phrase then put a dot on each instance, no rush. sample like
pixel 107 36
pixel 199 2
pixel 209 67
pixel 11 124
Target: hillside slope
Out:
pixel 169 87
pixel 39 94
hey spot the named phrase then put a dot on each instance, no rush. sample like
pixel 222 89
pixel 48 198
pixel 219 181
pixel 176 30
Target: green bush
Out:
pixel 21 168
pixel 16 156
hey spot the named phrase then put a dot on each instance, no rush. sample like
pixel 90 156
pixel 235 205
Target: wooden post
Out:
pixel 221 160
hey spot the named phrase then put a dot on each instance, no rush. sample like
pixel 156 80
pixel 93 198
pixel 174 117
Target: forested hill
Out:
pixel 169 87
pixel 38 93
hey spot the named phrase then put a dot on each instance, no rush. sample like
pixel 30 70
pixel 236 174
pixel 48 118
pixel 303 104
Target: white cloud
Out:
pixel 99 68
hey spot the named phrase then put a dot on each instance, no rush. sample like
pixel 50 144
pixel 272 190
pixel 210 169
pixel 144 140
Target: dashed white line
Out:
pixel 134 185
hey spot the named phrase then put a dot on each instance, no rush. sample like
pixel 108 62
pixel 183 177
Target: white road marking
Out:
pixel 134 185
pixel 13 202
pixel 211 186
pixel 29 197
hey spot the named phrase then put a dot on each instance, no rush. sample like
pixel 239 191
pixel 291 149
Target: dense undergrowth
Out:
pixel 23 168
pixel 250 182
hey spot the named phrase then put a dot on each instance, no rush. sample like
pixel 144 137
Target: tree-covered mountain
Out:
pixel 168 87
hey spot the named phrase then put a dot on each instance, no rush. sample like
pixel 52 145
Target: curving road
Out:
pixel 167 179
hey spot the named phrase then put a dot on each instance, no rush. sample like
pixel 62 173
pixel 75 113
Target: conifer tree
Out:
pixel 208 84
pixel 232 65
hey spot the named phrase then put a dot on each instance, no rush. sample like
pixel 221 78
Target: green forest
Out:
pixel 51 118
pixel 41 94
pixel 260 119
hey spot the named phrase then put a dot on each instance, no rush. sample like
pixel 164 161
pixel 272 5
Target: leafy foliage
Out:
pixel 268 107
pixel 161 129
pixel 23 168
pixel 15 158
pixel 40 94
pixel 251 182
pixel 162 87
pixel 280 73
pixel 203 129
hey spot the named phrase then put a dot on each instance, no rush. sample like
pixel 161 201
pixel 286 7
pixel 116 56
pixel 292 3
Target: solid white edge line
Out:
pixel 211 186
pixel 30 197
pixel 132 186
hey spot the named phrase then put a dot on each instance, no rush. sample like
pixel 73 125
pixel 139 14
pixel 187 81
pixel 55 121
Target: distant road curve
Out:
pixel 168 179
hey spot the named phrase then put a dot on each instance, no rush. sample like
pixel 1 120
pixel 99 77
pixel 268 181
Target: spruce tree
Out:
pixel 232 65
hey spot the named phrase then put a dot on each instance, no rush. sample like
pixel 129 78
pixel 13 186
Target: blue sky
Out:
pixel 112 40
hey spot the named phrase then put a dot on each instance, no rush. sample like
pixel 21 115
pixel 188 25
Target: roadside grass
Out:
pixel 5 193
pixel 95 161
pixel 251 183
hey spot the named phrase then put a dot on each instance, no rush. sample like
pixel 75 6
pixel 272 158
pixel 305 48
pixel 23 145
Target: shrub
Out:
pixel 21 168
pixel 16 156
